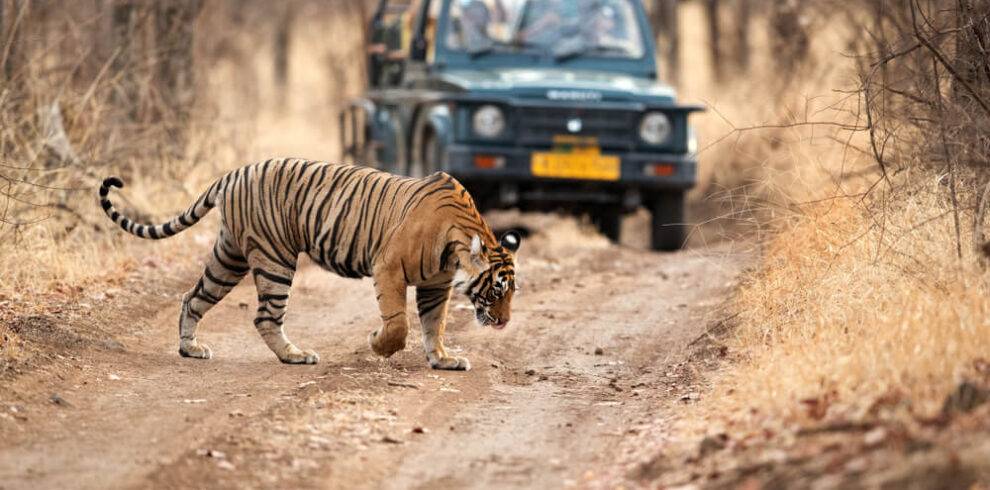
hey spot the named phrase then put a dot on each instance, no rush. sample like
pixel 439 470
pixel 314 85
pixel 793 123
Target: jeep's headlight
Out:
pixel 654 128
pixel 488 121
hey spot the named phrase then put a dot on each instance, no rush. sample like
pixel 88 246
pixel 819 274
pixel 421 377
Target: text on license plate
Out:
pixel 589 165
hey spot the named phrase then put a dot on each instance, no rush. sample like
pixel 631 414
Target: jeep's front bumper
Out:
pixel 513 183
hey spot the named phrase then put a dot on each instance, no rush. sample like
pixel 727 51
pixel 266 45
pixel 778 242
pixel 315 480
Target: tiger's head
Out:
pixel 488 279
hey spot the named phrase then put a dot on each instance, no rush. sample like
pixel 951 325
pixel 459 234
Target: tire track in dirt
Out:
pixel 540 409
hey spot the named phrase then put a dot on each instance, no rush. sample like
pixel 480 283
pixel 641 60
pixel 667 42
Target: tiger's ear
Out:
pixel 475 245
pixel 478 258
pixel 510 240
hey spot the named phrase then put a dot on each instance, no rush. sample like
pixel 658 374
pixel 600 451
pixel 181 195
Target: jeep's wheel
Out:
pixel 416 168
pixel 428 159
pixel 608 223
pixel 369 151
pixel 668 230
pixel 432 154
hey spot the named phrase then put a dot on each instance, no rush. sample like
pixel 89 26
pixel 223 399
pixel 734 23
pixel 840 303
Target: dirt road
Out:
pixel 585 360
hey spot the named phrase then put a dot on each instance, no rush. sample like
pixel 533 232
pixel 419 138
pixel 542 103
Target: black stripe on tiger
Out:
pixel 429 299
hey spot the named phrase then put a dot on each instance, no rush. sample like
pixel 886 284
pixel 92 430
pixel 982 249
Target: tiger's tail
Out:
pixel 176 225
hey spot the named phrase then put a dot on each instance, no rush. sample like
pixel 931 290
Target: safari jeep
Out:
pixel 532 104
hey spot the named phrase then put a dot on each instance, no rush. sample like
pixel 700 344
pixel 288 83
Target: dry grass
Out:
pixel 848 309
pixel 83 248
pixel 61 247
pixel 855 299
pixel 241 118
pixel 858 298
pixel 763 150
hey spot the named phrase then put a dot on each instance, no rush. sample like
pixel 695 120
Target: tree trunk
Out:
pixel 743 17
pixel 3 41
pixel 126 95
pixel 283 39
pixel 666 26
pixel 972 65
pixel 973 49
pixel 99 53
pixel 880 40
pixel 714 38
pixel 175 80
pixel 653 15
pixel 365 13
pixel 789 37
pixel 13 53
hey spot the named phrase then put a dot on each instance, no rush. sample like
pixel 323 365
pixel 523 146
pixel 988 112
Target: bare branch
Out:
pixel 945 63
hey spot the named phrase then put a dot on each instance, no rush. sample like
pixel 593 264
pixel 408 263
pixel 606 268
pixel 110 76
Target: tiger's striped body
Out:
pixel 354 221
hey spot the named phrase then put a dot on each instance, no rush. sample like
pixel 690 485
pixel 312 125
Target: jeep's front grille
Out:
pixel 614 128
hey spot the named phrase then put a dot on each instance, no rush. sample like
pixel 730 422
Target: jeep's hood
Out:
pixel 559 84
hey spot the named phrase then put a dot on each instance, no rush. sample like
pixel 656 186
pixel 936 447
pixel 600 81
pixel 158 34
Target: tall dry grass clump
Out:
pixel 848 309
pixel 85 94
pixel 776 133
pixel 167 94
pixel 876 292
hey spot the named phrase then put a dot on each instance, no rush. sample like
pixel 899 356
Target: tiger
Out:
pixel 354 221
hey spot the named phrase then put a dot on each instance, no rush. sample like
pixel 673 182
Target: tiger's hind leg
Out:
pixel 273 282
pixel 223 271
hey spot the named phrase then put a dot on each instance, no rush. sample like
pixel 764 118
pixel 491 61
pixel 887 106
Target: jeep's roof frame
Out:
pixel 644 66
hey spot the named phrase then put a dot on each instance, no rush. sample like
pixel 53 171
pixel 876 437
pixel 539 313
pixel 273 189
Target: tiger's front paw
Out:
pixel 294 355
pixel 451 363
pixel 194 349
pixel 388 343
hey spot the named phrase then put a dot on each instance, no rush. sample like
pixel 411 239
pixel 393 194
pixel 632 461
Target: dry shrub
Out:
pixel 770 128
pixel 871 287
pixel 65 125
pixel 775 137
pixel 52 233
pixel 56 246
pixel 851 306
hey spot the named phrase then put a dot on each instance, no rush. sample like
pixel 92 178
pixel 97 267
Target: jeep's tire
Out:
pixel 432 154
pixel 428 158
pixel 608 223
pixel 668 229
pixel 417 167
pixel 369 151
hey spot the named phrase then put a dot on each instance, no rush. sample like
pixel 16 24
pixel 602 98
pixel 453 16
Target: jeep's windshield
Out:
pixel 562 28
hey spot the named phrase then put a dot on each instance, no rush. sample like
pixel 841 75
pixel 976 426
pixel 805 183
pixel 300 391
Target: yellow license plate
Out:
pixel 580 165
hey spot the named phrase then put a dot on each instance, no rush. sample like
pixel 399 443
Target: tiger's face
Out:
pixel 489 281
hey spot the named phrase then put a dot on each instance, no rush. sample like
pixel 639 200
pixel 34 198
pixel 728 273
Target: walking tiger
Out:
pixel 356 222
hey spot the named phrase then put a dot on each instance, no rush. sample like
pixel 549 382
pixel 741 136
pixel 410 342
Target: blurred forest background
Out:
pixel 170 93
pixel 854 135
